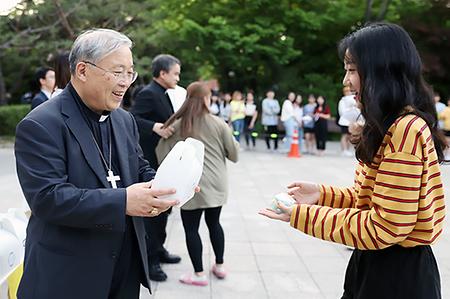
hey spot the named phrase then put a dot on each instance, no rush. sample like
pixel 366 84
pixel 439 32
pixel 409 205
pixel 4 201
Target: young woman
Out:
pixel 444 116
pixel 321 116
pixel 269 119
pixel 298 112
pixel 194 120
pixel 214 108
pixel 396 208
pixel 308 124
pixel 62 72
pixel 237 115
pixel 251 114
pixel 289 120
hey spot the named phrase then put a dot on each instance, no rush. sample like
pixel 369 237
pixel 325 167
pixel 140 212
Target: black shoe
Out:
pixel 156 273
pixel 168 258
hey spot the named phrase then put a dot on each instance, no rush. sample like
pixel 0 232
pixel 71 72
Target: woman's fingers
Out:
pixel 272 215
pixel 295 184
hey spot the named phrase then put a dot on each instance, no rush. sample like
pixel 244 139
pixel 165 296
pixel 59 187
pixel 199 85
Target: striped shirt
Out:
pixel 397 199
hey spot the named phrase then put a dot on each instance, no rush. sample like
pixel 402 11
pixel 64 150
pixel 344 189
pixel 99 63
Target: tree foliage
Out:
pixel 245 44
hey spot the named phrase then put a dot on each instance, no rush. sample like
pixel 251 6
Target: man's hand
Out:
pixel 142 201
pixel 163 132
pixel 305 192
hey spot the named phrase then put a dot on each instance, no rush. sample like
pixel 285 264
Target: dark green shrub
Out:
pixel 10 116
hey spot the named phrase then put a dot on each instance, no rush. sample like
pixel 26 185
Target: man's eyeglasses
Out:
pixel 129 76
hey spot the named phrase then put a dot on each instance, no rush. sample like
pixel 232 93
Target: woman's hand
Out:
pixel 285 216
pixel 305 192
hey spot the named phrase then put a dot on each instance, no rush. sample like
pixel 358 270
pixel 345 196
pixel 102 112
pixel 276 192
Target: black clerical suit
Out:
pixel 38 99
pixel 152 105
pixel 80 243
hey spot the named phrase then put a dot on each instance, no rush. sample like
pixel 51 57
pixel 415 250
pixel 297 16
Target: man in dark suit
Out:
pixel 152 107
pixel 79 164
pixel 45 80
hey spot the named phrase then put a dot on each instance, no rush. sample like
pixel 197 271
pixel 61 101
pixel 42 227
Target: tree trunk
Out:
pixel 63 18
pixel 368 14
pixel 383 10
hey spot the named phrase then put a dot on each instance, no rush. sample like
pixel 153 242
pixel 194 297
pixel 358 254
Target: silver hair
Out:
pixel 92 45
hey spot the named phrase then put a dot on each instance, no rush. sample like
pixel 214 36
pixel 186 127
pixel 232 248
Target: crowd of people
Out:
pixel 308 120
pixel 85 167
pixel 241 111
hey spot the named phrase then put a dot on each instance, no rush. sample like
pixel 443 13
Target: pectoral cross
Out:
pixel 112 179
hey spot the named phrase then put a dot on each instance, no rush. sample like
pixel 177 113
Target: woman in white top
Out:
pixel 298 113
pixel 348 112
pixel 289 120
pixel 251 114
pixel 225 108
pixel 214 108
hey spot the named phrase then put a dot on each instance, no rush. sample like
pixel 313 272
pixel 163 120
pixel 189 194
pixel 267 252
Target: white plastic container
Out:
pixel 283 198
pixel 181 169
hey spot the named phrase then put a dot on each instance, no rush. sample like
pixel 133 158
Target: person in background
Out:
pixel 396 208
pixel 225 108
pixel 214 108
pixel 62 72
pixel 269 119
pixel 251 114
pixel 237 115
pixel 152 107
pixel 439 108
pixel 444 117
pixel 45 79
pixel 289 120
pixel 308 124
pixel 346 110
pixel 322 114
pixel 194 120
pixel 298 113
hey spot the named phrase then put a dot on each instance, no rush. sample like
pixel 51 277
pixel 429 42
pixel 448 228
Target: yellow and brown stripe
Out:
pixel 398 199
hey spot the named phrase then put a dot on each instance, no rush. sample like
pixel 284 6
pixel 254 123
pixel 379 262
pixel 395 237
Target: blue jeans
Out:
pixel 289 125
pixel 238 128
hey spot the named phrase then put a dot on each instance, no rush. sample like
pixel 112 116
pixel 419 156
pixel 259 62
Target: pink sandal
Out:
pixel 192 279
pixel 219 272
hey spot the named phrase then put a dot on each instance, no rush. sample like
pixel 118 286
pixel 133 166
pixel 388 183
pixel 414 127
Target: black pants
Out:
pixel 191 223
pixel 321 133
pixel 128 269
pixel 156 231
pixel 271 133
pixel 248 132
pixel 392 273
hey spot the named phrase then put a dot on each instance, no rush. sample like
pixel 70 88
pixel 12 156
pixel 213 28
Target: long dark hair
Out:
pixel 390 71
pixel 194 107
pixel 62 69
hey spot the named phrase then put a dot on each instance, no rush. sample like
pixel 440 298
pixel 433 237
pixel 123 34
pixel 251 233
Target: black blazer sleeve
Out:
pixel 41 167
pixel 144 110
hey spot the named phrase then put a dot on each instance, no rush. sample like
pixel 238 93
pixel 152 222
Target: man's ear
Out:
pixel 80 71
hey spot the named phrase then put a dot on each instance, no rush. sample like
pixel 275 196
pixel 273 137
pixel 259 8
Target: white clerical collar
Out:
pixel 47 93
pixel 104 116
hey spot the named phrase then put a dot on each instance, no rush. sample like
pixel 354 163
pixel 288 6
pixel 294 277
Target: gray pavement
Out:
pixel 264 258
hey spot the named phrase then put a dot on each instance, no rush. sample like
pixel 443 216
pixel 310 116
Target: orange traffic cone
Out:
pixel 294 152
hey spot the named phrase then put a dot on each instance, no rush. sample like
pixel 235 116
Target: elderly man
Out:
pixel 79 164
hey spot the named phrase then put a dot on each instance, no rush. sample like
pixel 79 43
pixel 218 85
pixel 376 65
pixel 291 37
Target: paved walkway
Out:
pixel 265 258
